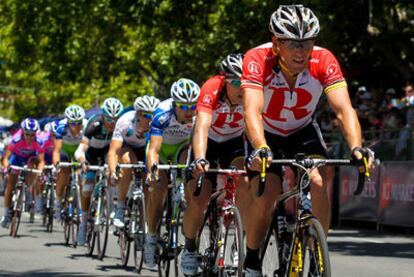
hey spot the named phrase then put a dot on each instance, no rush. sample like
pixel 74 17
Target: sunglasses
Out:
pixel 29 134
pixel 75 123
pixel 186 107
pixel 110 119
pixel 147 115
pixel 302 44
pixel 234 82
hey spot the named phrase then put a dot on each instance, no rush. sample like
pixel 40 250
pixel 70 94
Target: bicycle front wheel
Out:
pixel 17 213
pixel 102 229
pixel 314 259
pixel 138 232
pixel 233 255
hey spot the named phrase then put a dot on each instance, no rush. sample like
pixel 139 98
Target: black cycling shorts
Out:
pixel 308 141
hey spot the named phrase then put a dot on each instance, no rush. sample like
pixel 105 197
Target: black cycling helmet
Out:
pixel 232 65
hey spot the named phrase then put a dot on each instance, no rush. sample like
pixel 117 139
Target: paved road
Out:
pixel 37 253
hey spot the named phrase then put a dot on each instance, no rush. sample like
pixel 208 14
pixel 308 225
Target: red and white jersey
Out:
pixel 286 111
pixel 225 124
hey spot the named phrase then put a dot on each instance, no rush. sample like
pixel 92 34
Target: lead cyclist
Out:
pixel 282 82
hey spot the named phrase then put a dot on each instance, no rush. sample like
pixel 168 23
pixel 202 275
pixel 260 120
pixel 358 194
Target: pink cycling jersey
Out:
pixel 21 148
pixel 48 143
pixel 286 111
pixel 226 124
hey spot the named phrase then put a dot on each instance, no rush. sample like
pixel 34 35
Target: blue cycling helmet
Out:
pixel 51 127
pixel 185 91
pixel 112 107
pixel 30 125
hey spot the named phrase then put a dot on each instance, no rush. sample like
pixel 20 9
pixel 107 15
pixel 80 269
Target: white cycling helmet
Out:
pixel 294 22
pixel 146 103
pixel 185 91
pixel 232 65
pixel 112 107
pixel 51 127
pixel 30 125
pixel 74 113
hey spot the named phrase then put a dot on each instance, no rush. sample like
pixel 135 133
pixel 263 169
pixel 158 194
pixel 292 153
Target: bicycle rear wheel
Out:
pixel 233 256
pixel 102 229
pixel 314 248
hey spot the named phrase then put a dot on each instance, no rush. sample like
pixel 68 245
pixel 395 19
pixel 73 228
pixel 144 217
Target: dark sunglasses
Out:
pixel 75 123
pixel 186 107
pixel 110 119
pixel 234 82
pixel 147 115
pixel 302 44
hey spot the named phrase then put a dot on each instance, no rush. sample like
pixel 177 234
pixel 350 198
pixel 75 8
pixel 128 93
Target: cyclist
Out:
pixel 282 82
pixel 219 127
pixel 24 149
pixel 128 146
pixel 93 149
pixel 170 134
pixel 48 141
pixel 69 133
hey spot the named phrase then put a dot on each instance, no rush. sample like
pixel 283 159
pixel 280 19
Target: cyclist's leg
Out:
pixel 126 156
pixel 62 180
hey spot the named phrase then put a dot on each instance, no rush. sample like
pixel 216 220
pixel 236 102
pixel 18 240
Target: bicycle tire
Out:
pixel 139 234
pixel 103 228
pixel 315 263
pixel 314 248
pixel 178 249
pixel 205 237
pixel 90 227
pixel 50 210
pixel 124 243
pixel 270 259
pixel 16 213
pixel 233 236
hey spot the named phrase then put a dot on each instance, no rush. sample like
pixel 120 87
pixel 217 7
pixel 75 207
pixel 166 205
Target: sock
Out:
pixel 84 217
pixel 190 244
pixel 252 260
pixel 151 237
pixel 6 212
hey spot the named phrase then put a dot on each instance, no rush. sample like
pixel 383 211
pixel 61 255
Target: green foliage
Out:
pixel 54 53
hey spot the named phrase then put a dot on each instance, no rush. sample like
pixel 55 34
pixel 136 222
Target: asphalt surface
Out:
pixel 38 253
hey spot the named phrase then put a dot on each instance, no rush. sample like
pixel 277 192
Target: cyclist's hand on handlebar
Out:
pixel 84 166
pixel 199 166
pixel 364 157
pixel 254 161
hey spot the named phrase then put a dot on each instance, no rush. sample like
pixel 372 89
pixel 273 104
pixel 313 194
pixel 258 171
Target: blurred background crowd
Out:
pixel 386 117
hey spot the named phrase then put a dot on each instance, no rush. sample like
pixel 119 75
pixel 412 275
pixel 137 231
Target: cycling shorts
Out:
pixel 18 160
pixel 308 140
pixel 95 156
pixel 139 152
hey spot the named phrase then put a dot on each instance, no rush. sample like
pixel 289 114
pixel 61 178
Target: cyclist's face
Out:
pixel 234 91
pixel 143 121
pixel 186 114
pixel 109 123
pixel 75 128
pixel 294 54
pixel 29 136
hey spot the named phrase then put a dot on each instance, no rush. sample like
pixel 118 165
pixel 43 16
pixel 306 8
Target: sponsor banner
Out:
pixel 396 202
pixel 361 207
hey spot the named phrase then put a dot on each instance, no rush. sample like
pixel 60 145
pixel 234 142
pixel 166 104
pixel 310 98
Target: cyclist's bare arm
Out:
pixel 6 157
pixel 153 152
pixel 82 148
pixel 203 123
pixel 340 103
pixel 113 154
pixel 41 157
pixel 56 151
pixel 253 102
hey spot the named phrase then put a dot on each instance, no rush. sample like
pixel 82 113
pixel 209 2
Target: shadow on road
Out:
pixel 366 245
pixel 39 273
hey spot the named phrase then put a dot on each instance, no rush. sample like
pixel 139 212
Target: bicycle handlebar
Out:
pixel 310 163
pixel 20 168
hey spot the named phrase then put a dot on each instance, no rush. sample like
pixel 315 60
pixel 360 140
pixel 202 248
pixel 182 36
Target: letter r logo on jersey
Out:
pixel 255 68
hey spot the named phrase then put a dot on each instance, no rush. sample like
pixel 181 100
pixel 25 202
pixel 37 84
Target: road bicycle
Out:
pixel 296 245
pixel 221 240
pixel 18 204
pixel 71 211
pixel 98 215
pixel 135 219
pixel 170 230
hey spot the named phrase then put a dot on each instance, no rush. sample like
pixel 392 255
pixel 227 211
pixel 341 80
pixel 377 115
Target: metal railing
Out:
pixel 389 145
